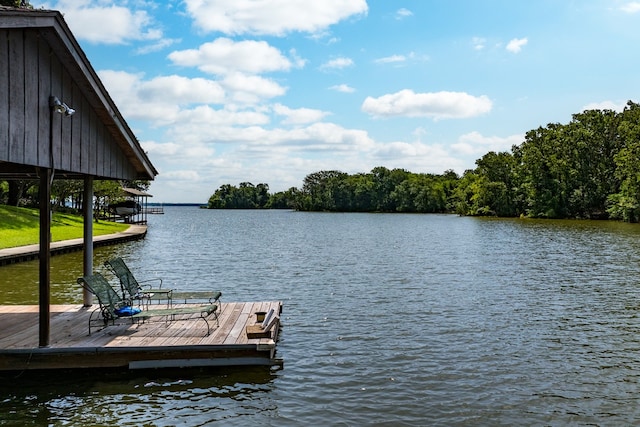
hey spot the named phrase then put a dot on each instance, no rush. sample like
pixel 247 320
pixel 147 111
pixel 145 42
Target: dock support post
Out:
pixel 45 255
pixel 87 209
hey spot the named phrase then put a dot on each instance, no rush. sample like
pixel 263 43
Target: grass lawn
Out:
pixel 21 226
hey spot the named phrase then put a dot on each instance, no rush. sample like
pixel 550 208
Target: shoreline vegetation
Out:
pixel 21 226
pixel 588 168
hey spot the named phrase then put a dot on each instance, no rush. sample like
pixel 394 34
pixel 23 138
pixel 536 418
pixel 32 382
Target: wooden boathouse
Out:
pixel 60 123
pixel 57 121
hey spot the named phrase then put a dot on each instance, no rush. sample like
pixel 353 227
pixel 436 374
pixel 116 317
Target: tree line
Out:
pixel 587 168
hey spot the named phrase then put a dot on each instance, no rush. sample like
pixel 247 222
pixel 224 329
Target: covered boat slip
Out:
pixel 154 343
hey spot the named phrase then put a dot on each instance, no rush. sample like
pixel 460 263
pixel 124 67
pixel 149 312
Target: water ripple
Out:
pixel 405 320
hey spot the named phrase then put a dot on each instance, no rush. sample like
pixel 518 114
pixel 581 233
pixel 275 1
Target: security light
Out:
pixel 60 107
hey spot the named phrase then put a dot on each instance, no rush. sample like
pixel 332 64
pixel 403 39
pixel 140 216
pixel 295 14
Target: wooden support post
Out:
pixel 87 208
pixel 45 255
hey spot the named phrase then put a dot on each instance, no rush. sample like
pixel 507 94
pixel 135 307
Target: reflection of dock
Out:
pixel 31 252
pixel 153 344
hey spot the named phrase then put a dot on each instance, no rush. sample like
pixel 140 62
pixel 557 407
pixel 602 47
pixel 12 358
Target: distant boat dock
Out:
pixel 154 210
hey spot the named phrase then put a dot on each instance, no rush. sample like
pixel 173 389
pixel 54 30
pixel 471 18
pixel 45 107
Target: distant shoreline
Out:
pixel 175 204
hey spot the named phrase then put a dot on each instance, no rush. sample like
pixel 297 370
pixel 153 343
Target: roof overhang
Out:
pixel 52 27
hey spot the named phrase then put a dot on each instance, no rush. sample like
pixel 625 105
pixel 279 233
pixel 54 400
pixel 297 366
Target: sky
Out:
pixel 269 91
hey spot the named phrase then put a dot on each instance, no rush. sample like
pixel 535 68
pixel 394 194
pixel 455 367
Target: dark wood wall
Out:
pixel 30 134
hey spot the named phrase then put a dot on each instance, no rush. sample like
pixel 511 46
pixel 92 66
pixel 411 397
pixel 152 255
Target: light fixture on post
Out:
pixel 60 107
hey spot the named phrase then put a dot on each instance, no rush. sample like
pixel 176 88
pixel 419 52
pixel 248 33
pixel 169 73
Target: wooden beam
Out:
pixel 87 208
pixel 45 255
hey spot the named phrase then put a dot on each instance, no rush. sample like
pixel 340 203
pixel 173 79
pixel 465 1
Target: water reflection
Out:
pixel 388 319
pixel 19 283
pixel 203 397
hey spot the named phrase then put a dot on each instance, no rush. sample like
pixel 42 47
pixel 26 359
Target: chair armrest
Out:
pixel 157 279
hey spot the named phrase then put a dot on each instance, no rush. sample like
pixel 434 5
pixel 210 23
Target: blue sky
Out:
pixel 268 91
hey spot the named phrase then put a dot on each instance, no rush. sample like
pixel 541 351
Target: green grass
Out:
pixel 21 226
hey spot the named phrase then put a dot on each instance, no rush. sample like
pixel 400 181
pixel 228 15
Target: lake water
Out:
pixel 388 320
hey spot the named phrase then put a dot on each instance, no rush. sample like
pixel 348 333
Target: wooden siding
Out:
pixel 4 96
pixel 83 144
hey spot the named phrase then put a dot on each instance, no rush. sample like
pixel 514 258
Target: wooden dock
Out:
pixel 157 210
pixel 156 343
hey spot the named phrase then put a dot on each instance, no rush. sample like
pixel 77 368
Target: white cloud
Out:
pixel 247 89
pixel 207 118
pixel 474 143
pixel 165 100
pixel 631 7
pixel 478 43
pixel 314 137
pixel 438 105
pixel 403 13
pixel 415 156
pixel 223 56
pixel 298 62
pixel 157 46
pixel 178 152
pixel 344 88
pixel 187 176
pixel 391 59
pixel 124 89
pixel 107 23
pixel 337 64
pixel 606 105
pixel 515 45
pixel 180 90
pixel 299 115
pixel 271 17
pixel 158 99
pixel 401 59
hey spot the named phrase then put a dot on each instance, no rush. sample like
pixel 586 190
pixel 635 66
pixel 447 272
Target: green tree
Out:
pixel 542 168
pixel 16 3
pixel 62 190
pixel 363 193
pixel 137 184
pixel 284 199
pixel 495 188
pixel 246 196
pixel 385 182
pixel 625 203
pixel 591 144
pixel 570 170
pixel 318 190
pixel 262 195
pixel 4 192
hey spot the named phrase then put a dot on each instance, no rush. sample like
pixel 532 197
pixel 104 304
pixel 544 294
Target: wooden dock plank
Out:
pixel 231 314
pixel 239 325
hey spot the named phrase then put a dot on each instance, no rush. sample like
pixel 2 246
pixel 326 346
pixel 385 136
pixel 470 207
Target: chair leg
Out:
pixel 207 322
